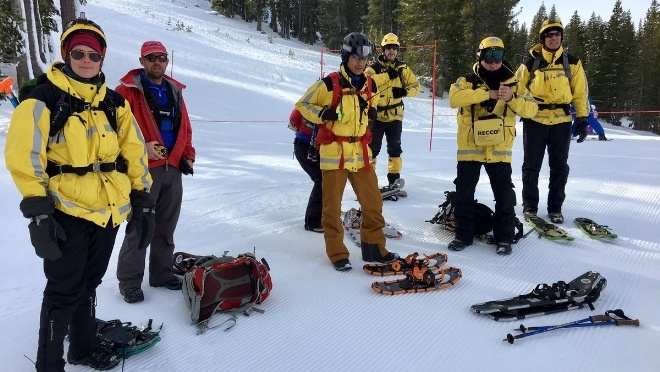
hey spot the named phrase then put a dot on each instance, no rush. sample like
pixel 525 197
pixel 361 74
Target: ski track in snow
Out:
pixel 249 193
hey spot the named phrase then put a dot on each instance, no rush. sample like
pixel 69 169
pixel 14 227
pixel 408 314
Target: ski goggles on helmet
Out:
pixel 360 52
pixel 491 55
pixel 80 54
pixel 152 58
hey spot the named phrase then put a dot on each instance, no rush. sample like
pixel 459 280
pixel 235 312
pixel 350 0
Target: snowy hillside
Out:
pixel 248 192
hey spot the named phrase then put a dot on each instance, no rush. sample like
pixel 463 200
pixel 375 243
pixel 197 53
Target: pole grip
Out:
pixel 600 318
pixel 631 322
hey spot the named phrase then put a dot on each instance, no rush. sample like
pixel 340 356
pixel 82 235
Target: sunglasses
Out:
pixel 491 55
pixel 80 54
pixel 391 47
pixel 553 34
pixel 152 58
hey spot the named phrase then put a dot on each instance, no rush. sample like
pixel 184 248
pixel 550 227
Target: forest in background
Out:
pixel 621 58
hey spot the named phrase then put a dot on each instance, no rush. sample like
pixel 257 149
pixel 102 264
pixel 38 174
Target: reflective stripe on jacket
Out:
pixel 86 138
pixel 353 122
pixel 465 98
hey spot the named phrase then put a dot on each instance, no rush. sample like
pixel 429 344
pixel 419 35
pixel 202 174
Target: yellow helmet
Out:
pixel 549 25
pixel 81 24
pixel 490 42
pixel 390 39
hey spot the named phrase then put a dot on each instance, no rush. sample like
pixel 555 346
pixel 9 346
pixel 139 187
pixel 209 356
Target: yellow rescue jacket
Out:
pixel 86 138
pixel 468 94
pixel 352 124
pixel 390 108
pixel 550 86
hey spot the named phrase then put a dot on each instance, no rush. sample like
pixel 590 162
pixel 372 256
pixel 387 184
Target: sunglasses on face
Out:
pixel 152 58
pixel 80 54
pixel 553 34
pixel 391 47
pixel 491 55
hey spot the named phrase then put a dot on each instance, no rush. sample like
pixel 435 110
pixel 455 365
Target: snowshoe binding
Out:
pixel 393 191
pixel 546 229
pixel 402 265
pixel 594 230
pixel 420 279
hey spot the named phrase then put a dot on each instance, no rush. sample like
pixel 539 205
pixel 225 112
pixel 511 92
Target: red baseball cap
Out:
pixel 150 47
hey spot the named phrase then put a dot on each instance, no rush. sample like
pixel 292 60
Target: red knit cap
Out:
pixel 84 39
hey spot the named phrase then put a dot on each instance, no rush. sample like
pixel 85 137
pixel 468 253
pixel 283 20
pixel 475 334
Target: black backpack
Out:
pixel 62 105
pixel 483 219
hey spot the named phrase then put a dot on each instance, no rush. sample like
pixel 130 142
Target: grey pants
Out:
pixel 167 193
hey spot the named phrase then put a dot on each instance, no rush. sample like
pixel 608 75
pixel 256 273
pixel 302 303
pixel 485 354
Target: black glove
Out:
pixel 372 113
pixel 185 168
pixel 329 114
pixel 581 129
pixel 398 92
pixel 142 220
pixel 44 230
pixel 392 73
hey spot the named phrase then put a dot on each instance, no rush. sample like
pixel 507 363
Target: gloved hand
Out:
pixel 392 73
pixel 329 114
pixel 581 129
pixel 398 92
pixel 372 113
pixel 185 168
pixel 44 230
pixel 142 220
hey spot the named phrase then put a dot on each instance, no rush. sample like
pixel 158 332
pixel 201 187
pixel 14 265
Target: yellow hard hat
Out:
pixel 550 24
pixel 390 39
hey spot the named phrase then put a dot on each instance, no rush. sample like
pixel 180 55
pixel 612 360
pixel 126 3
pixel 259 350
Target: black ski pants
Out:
pixel 392 132
pixel 536 138
pixel 313 170
pixel 467 177
pixel 69 298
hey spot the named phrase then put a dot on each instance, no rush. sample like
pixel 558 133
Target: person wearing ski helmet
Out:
pixel 395 80
pixel 344 152
pixel 76 192
pixel 556 79
pixel 488 94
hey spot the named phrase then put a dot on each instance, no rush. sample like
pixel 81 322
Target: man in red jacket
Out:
pixel 159 109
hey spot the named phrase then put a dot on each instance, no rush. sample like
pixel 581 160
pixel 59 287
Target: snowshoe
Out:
pixel 393 192
pixel 421 279
pixel 353 218
pixel 403 265
pixel 544 299
pixel 546 229
pixel 594 230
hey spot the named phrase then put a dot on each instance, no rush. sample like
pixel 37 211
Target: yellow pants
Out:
pixel 365 185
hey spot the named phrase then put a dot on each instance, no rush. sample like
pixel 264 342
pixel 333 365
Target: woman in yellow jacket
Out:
pixel 80 173
pixel 488 100
pixel 344 152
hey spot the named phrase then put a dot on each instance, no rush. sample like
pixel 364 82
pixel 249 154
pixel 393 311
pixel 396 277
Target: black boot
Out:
pixel 391 177
pixel 53 326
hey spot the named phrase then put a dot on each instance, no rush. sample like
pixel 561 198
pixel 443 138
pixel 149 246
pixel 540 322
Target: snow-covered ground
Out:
pixel 249 193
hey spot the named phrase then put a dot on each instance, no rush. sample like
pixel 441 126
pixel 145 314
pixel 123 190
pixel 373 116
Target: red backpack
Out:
pixel 225 284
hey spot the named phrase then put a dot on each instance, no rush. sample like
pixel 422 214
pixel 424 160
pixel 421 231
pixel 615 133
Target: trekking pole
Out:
pixel 5 87
pixel 596 320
